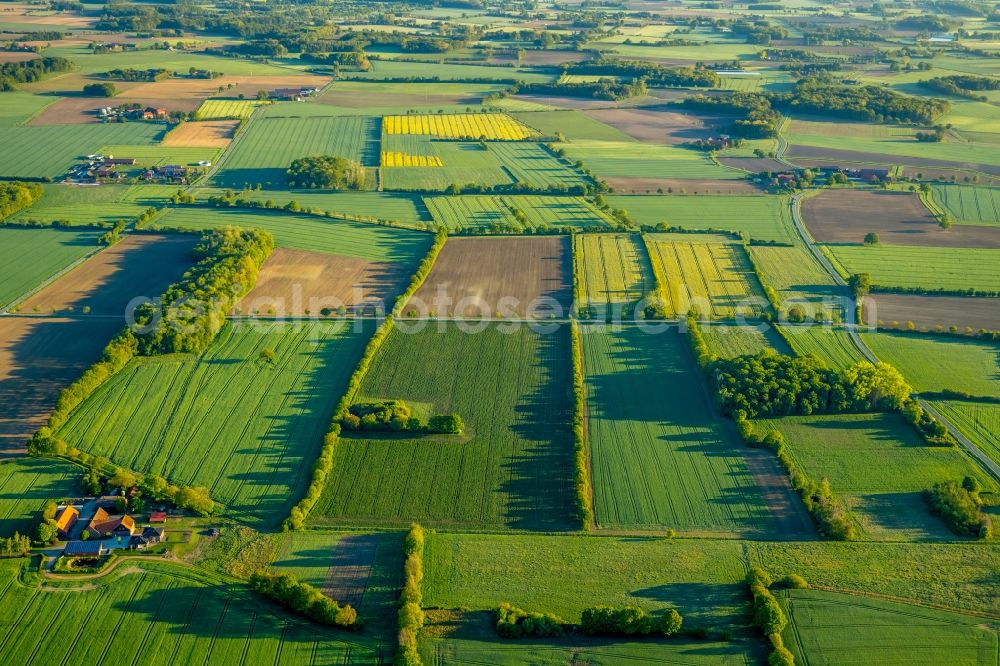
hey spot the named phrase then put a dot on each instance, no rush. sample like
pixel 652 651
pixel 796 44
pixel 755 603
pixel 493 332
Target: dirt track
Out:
pixel 899 218
pixel 472 275
pixel 350 568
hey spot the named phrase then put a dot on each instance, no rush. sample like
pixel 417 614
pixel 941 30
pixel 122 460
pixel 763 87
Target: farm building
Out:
pixel 85 549
pixel 105 525
pixel 158 517
pixel 65 520
pixel 150 536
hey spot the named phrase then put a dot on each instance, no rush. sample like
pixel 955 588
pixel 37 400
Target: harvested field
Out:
pixel 77 110
pixel 248 86
pixel 627 185
pixel 38 358
pixel 17 56
pixel 295 283
pixel 899 218
pixel 139 265
pixel 930 312
pixel 656 126
pixel 206 134
pixel 512 277
pixel 613 274
pixel 366 95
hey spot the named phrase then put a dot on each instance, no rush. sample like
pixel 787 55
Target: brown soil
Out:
pixel 358 99
pixel 17 56
pixel 77 110
pixel 140 265
pixel 203 134
pixel 655 125
pixel 929 312
pixel 679 186
pixel 822 156
pixel 248 86
pixel 473 275
pixel 38 358
pixel 294 281
pixel 899 218
pixel 792 521
pixel 350 568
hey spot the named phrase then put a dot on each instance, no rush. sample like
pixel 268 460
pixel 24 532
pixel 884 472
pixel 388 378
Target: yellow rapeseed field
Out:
pixel 393 158
pixel 492 126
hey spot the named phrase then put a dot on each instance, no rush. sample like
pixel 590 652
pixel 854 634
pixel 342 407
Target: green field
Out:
pixel 831 345
pixel 311 232
pixel 391 69
pixel 403 208
pixel 86 205
pixel 265 149
pixel 661 458
pixel 532 163
pixel 158 155
pixel 465 163
pixel 978 421
pixel 761 218
pixel 831 628
pixel 969 204
pixel 932 363
pixel 797 278
pixel 730 341
pixel 907 266
pixel 222 109
pixel 245 428
pixel 855 452
pixel 573 125
pixel 613 274
pixel 48 152
pixel 19 107
pixel 610 159
pixel 162 614
pixel 485 212
pixel 27 485
pixel 28 257
pixel 512 468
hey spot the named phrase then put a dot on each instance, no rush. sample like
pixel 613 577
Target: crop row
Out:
pixel 491 126
pixel 398 159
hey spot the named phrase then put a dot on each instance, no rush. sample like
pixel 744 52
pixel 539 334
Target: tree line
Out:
pixel 305 600
pixel 16 196
pixel 959 505
pixel 396 416
pixel 13 73
pixel 326 172
pixel 410 617
pixel 768 616
pixel 581 470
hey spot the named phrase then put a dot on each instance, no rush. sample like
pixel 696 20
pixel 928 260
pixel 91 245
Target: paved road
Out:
pixel 851 327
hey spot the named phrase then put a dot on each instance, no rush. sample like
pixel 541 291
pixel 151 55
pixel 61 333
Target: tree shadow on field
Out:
pixel 701 604
pixel 539 483
pixel 285 452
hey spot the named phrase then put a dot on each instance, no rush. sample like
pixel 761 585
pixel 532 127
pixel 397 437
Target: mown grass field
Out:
pixel 978 421
pixel 19 107
pixel 266 148
pixel 312 232
pixel 636 160
pixel 705 273
pixel 831 345
pixel 924 267
pixel 497 212
pixel 661 458
pixel 613 274
pixel 48 152
pixel 403 208
pixel 28 257
pixel 761 218
pixel 27 485
pixel 246 428
pixel 511 469
pixel 730 341
pixel 856 452
pixel 163 614
pixel 224 109
pixel 830 628
pixel 932 363
pixel 969 204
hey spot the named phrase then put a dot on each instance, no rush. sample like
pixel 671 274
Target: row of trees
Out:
pixel 961 85
pixel 17 545
pixel 14 73
pixel 305 600
pixel 608 88
pixel 581 468
pixel 628 621
pixel 15 196
pixel 513 622
pixel 193 310
pixel 410 618
pixel 653 74
pixel 130 74
pixel 768 616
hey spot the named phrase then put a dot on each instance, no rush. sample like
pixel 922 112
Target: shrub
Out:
pixel 100 89
pixel 794 582
pixel 670 623
pixel 512 622
pixel 959 508
pixel 325 172
pixel 304 599
pixel 621 621
pixel 410 617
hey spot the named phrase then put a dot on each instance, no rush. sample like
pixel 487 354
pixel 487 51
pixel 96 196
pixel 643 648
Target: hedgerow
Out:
pixel 768 616
pixel 411 616
pixel 305 600
pixel 958 504
pixel 628 621
pixel 512 622
pixel 422 271
pixel 585 510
